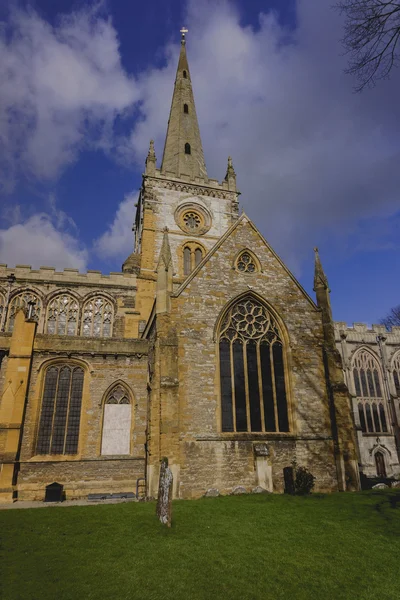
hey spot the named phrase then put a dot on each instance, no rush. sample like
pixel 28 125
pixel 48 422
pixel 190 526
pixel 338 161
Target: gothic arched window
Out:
pixel 117 422
pixel 369 389
pixel 380 464
pixel 192 256
pixel 252 370
pixel 246 263
pixel 22 301
pixel 62 315
pixel 97 317
pixel 186 109
pixel 187 148
pixel 396 373
pixel 61 410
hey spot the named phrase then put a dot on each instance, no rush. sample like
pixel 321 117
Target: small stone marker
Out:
pixel 164 500
pixel 238 490
pixel 211 493
pixel 380 486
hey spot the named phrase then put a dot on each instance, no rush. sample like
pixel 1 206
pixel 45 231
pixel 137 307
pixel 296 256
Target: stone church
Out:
pixel 204 349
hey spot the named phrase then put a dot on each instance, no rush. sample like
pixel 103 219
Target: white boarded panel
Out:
pixel 116 429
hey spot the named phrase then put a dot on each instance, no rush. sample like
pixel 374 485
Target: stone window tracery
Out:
pixel 117 422
pixel 246 263
pixel 252 370
pixel 21 300
pixel 97 317
pixel 62 315
pixel 368 384
pixel 61 410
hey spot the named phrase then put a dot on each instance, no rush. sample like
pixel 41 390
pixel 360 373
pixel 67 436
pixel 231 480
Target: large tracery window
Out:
pixel 396 373
pixel 62 315
pixel 61 410
pixel 97 318
pixel 117 422
pixel 252 370
pixel 22 301
pixel 369 389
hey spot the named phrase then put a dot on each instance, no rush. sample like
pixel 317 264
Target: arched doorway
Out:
pixel 380 464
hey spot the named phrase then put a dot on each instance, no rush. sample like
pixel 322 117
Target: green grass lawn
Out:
pixel 243 547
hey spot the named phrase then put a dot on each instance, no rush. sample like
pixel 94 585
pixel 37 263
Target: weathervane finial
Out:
pixel 183 32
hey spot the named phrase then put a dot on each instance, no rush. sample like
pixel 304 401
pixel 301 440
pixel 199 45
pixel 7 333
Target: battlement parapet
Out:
pixel 361 332
pixel 46 274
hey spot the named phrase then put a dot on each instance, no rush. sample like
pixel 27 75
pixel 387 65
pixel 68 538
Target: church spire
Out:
pixel 320 279
pixel 183 151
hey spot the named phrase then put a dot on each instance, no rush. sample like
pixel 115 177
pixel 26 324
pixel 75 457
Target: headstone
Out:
pixel 288 476
pixel 396 484
pixel 211 493
pixel 380 486
pixel 164 500
pixel 54 492
pixel 238 490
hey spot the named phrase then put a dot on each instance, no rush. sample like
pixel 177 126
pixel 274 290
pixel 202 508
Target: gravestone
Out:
pixel 288 476
pixel 164 500
pixel 54 492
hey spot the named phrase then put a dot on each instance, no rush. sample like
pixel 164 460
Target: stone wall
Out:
pixel 206 459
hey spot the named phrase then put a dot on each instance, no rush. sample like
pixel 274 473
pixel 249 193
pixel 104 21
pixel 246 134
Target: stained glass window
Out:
pixel 252 370
pixel 245 263
pixel 61 410
pixel 21 300
pixel 97 318
pixel 368 385
pixel 62 315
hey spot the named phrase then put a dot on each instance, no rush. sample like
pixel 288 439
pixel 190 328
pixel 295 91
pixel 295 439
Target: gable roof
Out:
pixel 242 219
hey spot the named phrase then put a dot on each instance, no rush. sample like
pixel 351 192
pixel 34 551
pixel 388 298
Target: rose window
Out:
pixel 192 220
pixel 245 263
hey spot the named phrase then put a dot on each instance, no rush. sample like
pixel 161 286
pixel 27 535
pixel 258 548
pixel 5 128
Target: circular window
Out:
pixel 193 219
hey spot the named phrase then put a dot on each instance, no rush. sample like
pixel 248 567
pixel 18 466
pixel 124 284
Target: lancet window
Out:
pixel 369 390
pixel 63 315
pixel 252 370
pixel 61 410
pixel 192 256
pixel 22 301
pixel 187 148
pixel 117 422
pixel 97 318
pixel 396 373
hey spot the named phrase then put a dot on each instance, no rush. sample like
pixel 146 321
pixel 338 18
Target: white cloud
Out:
pixel 61 89
pixel 37 241
pixel 117 241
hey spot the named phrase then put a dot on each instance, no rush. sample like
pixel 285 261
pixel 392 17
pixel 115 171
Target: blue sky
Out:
pixel 86 85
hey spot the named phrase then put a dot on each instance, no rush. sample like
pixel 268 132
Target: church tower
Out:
pixel 180 197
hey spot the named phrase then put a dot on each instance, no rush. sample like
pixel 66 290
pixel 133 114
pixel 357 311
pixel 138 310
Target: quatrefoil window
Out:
pixel 246 263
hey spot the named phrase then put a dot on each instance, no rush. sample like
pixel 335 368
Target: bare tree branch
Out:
pixel 393 318
pixel 371 35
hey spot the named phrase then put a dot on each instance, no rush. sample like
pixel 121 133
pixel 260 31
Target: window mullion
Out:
pixel 233 385
pixel 246 384
pixel 68 408
pixel 260 386
pixel 54 410
pixel 271 354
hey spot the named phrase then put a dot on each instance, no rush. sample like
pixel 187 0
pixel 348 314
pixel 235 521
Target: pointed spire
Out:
pixel 230 176
pixel 183 150
pixel 320 279
pixel 151 160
